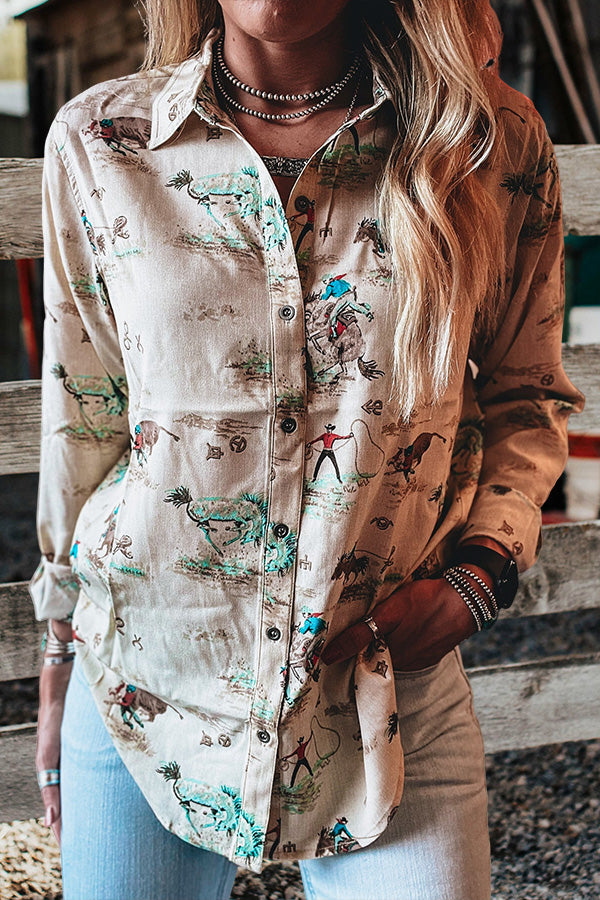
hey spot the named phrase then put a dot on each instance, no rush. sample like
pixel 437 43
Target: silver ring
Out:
pixel 370 621
pixel 48 777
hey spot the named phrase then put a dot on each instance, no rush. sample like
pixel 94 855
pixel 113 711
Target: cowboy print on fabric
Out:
pixel 225 485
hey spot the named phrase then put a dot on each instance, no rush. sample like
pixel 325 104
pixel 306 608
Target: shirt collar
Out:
pixel 188 88
pixel 187 84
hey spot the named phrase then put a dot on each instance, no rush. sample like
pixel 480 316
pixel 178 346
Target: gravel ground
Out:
pixel 544 804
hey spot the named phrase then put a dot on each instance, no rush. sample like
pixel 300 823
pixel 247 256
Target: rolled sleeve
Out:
pixel 54 590
pixel 522 388
pixel 84 391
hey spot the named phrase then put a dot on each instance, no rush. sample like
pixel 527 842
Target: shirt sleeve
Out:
pixel 84 391
pixel 522 389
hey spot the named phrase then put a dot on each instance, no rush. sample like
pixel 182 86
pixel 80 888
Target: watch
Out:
pixel 503 570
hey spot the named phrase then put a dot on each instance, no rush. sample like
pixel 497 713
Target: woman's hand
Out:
pixel 53 688
pixel 420 621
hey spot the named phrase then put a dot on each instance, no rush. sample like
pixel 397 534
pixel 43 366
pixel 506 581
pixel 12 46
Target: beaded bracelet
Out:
pixel 490 594
pixel 487 618
pixel 450 578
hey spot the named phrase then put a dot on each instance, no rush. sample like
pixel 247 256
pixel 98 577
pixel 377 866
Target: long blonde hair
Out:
pixel 440 223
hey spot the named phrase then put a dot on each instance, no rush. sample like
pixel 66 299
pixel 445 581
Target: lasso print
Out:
pixel 329 438
pixel 322 743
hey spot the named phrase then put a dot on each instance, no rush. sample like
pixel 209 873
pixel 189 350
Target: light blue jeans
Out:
pixel 436 847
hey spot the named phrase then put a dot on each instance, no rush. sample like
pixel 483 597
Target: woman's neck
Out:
pixel 291 67
pixel 288 67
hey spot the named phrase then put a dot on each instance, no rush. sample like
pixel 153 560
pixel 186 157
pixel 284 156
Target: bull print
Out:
pixel 147 434
pixel 122 133
pixel 134 701
pixel 406 459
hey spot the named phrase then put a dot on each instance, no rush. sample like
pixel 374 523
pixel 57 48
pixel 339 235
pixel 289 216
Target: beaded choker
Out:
pixel 323 96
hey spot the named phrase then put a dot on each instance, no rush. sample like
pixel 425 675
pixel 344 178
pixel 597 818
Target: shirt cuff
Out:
pixel 54 590
pixel 509 517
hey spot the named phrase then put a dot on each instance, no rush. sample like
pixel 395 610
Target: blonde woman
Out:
pixel 303 228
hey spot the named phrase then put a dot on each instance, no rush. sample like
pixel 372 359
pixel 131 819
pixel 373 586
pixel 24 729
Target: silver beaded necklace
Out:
pixel 279 98
pixel 220 72
pixel 281 165
pixel 292 166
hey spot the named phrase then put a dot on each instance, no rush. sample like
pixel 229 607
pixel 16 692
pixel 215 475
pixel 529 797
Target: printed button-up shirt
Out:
pixel 224 482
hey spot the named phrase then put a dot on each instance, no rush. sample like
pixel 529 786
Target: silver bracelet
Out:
pixel 52 644
pixel 452 581
pixel 488 591
pixel 466 589
pixel 487 617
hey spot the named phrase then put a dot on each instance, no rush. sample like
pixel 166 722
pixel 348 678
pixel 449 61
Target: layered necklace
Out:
pixel 282 165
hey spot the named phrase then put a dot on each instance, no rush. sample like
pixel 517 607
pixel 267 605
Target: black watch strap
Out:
pixel 503 570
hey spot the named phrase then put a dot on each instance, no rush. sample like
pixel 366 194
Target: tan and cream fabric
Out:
pixel 224 482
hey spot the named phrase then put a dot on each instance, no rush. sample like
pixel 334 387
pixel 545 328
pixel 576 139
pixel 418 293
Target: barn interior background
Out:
pixel 544 807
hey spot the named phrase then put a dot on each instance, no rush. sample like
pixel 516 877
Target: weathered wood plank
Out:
pixel 518 706
pixel 579 167
pixel 20 796
pixel 582 365
pixel 20 198
pixel 566 576
pixel 20 410
pixel 555 584
pixel 20 423
pixel 20 634
pixel 20 208
pixel 544 702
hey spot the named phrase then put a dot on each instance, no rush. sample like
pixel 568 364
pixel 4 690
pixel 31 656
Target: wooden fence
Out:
pixel 518 705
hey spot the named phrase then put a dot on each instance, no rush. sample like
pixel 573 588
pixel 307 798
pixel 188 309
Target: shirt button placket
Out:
pixel 286 461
